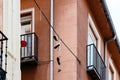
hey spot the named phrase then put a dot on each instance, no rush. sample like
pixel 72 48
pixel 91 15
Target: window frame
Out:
pixel 112 66
pixel 32 11
pixel 92 28
pixel 111 72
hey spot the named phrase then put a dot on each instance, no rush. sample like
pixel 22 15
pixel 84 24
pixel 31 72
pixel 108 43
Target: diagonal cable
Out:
pixel 55 31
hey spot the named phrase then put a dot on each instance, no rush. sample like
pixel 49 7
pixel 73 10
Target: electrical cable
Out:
pixel 55 31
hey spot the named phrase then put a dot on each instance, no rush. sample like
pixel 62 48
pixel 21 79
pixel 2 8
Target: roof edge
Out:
pixel 109 19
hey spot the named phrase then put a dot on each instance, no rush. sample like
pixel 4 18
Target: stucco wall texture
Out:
pixel 71 24
pixel 41 71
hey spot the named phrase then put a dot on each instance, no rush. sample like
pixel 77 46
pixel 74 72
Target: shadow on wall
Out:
pixel 35 72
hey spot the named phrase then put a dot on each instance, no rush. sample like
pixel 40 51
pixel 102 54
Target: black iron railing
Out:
pixel 3 56
pixel 95 65
pixel 29 48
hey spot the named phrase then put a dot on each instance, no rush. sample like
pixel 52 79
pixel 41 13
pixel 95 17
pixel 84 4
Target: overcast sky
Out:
pixel 114 9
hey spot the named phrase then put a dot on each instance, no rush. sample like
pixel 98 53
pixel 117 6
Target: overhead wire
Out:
pixel 38 6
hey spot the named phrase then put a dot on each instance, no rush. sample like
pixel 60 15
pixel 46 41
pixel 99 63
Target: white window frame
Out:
pixel 94 29
pixel 91 34
pixel 113 68
pixel 110 73
pixel 32 10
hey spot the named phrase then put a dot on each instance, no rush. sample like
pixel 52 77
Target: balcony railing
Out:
pixel 29 48
pixel 3 56
pixel 95 65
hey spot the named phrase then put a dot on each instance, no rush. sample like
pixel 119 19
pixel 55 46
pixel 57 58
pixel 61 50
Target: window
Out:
pixel 93 38
pixel 27 21
pixel 29 39
pixel 26 28
pixel 93 35
pixel 111 73
pixel 95 64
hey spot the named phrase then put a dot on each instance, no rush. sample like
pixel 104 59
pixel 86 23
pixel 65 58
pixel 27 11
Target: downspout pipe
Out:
pixel 114 37
pixel 108 16
pixel 105 45
pixel 51 40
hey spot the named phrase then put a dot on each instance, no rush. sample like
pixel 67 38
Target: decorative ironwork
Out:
pixel 29 48
pixel 95 65
pixel 3 56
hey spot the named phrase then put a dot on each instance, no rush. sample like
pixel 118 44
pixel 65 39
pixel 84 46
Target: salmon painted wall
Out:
pixel 83 12
pixel 82 31
pixel 65 23
pixel 41 71
pixel 71 23
pixel 110 63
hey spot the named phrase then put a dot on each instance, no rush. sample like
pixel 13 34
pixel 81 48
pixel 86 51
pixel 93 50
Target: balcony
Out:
pixel 3 56
pixel 29 49
pixel 95 65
